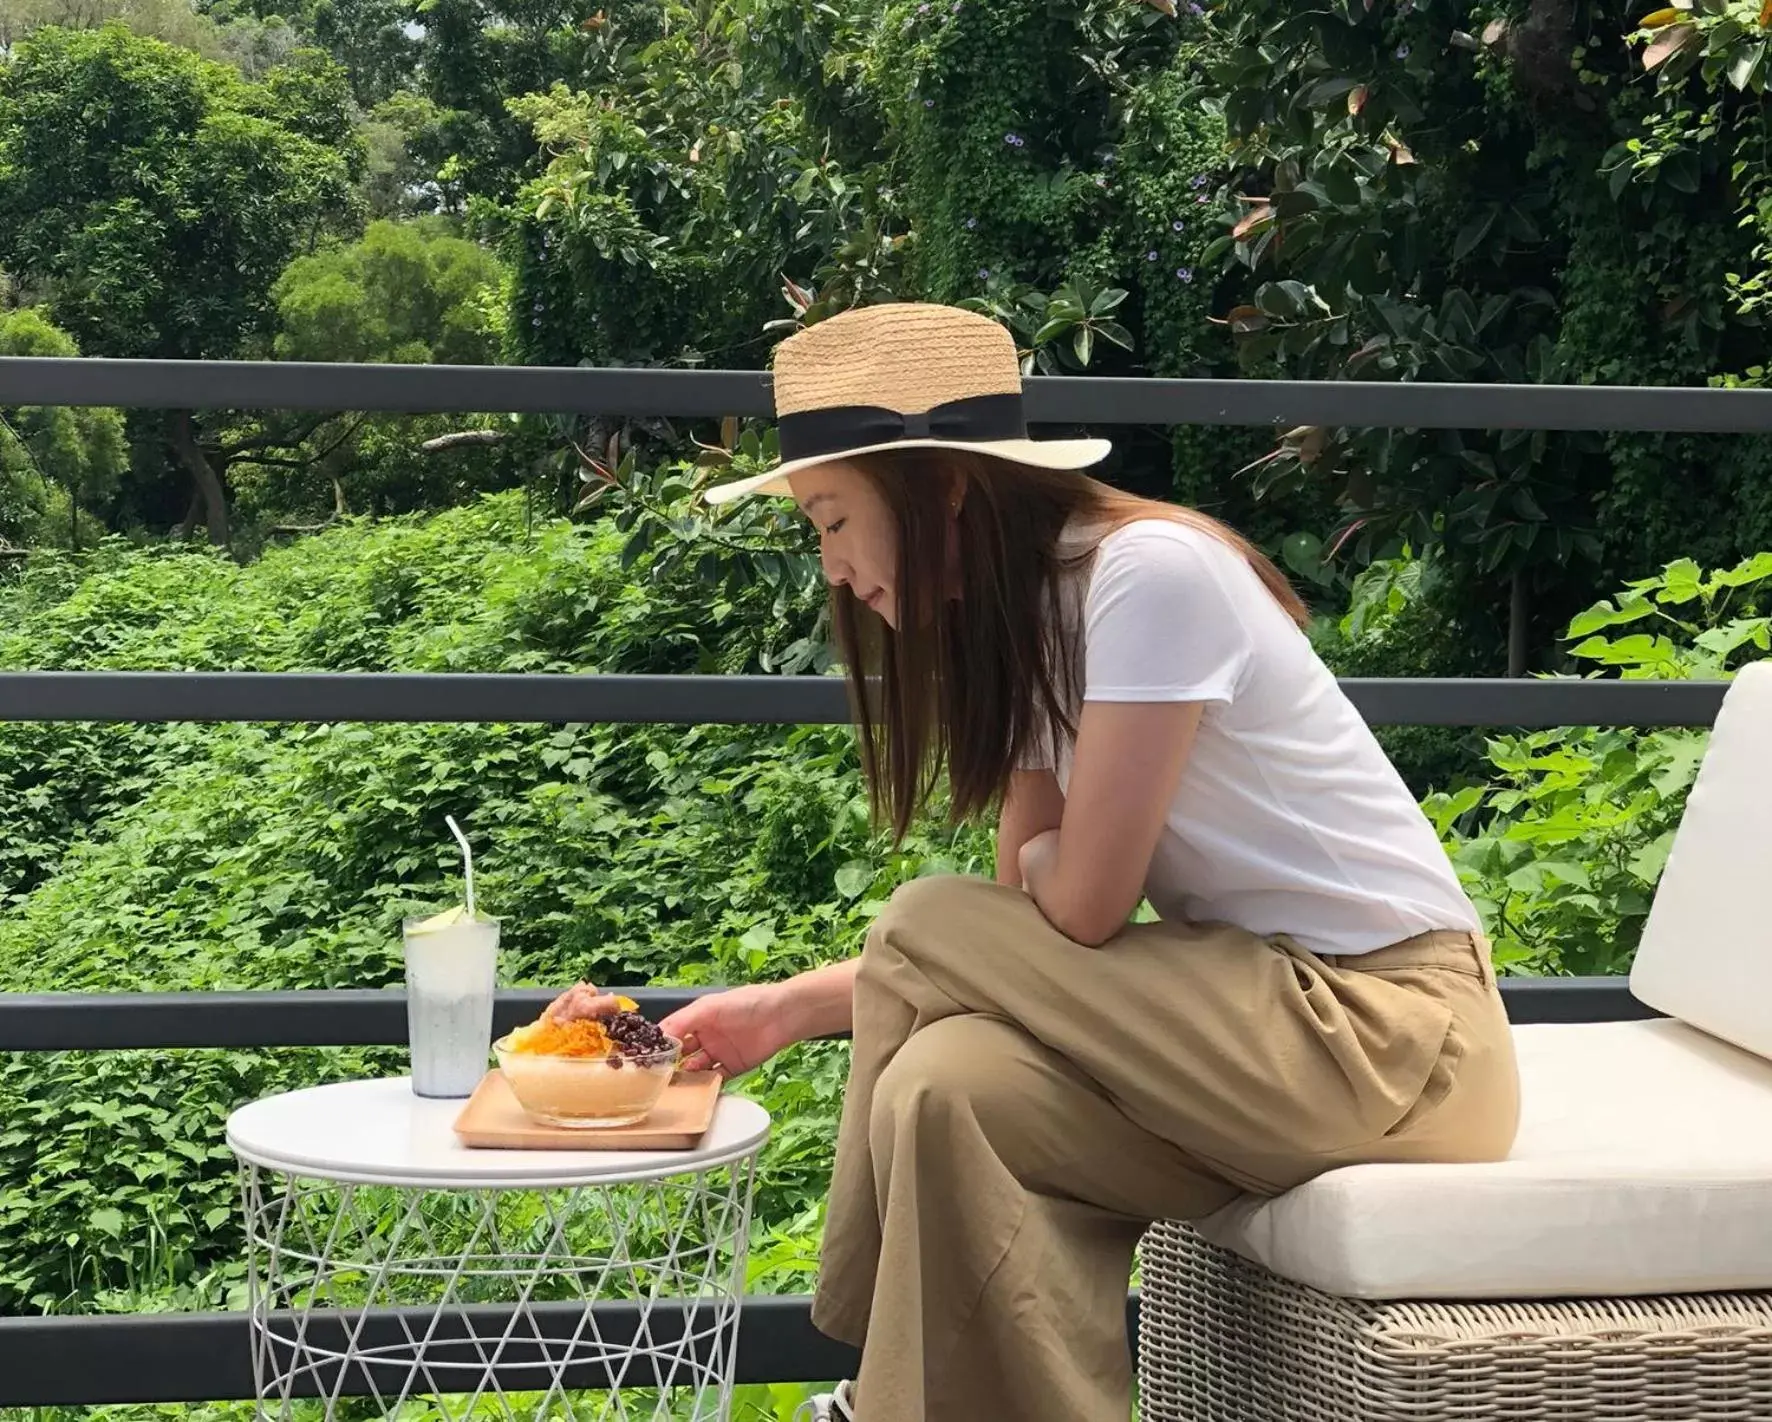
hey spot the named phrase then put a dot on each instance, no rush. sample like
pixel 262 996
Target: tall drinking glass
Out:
pixel 451 973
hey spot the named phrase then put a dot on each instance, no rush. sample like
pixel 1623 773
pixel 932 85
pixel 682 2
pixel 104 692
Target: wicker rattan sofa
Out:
pixel 1617 1266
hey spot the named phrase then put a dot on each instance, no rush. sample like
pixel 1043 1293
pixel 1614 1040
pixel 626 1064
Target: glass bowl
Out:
pixel 583 1093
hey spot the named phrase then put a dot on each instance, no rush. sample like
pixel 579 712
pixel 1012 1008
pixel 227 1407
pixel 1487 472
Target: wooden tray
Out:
pixel 492 1120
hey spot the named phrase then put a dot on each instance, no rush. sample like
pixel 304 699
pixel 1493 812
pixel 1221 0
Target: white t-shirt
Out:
pixel 1289 819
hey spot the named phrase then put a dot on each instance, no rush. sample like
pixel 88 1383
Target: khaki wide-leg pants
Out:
pixel 1020 1107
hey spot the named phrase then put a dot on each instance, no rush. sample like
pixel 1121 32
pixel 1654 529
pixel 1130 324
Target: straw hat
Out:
pixel 902 376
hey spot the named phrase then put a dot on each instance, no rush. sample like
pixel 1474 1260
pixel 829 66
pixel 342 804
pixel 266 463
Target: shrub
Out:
pixel 1563 849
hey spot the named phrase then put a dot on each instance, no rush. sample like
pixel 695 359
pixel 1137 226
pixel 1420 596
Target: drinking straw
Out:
pixel 467 859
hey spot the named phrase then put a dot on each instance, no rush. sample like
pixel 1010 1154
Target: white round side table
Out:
pixel 389 1261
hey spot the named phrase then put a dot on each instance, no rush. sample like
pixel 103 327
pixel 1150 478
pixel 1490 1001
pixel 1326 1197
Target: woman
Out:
pixel 1034 1077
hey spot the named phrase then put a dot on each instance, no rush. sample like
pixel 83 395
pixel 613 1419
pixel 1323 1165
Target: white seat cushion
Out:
pixel 1643 1165
pixel 1706 950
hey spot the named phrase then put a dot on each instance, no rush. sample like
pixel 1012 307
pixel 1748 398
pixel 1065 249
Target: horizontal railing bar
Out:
pixel 731 700
pixel 376 1017
pixel 425 389
pixel 89 1360
pixel 420 696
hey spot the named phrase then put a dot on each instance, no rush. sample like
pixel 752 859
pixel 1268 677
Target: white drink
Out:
pixel 451 972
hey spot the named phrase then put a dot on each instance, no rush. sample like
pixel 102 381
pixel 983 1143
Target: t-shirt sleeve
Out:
pixel 1163 621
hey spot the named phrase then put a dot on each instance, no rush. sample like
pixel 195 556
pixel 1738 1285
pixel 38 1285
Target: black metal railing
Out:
pixel 88 1360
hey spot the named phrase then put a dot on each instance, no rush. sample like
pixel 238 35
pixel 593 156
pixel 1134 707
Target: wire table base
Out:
pixel 426 1300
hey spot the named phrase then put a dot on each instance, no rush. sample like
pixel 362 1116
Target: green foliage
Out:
pixel 1439 195
pixel 55 462
pixel 1562 851
pixel 158 194
pixel 412 292
pixel 672 202
pixel 1403 620
pixel 253 44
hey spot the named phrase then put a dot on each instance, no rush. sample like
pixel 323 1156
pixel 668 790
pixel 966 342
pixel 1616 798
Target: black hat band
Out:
pixel 978 419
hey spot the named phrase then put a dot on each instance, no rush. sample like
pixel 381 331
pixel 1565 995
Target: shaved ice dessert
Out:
pixel 591 1059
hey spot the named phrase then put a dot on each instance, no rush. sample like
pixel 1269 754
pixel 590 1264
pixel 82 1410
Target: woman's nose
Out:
pixel 836 571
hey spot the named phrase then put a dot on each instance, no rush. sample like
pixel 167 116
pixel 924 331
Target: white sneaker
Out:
pixel 838 1406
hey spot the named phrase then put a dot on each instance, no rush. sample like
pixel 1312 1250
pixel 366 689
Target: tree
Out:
pixel 405 291
pixel 78 452
pixel 250 43
pixel 413 292
pixel 157 197
pixel 1443 193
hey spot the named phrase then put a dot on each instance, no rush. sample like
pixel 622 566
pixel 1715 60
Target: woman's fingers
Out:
pixel 695 1057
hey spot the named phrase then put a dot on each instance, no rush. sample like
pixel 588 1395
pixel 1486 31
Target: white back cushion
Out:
pixel 1706 952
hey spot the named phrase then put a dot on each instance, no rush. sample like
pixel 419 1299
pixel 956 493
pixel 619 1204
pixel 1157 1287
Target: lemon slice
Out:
pixel 437 922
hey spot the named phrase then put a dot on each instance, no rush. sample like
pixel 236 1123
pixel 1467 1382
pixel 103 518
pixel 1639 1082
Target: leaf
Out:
pixel 1342 185
pixel 1327 91
pixel 1604 614
pixel 1745 66
pixel 1253 220
pixel 854 878
pixel 1648 862
pixel 1657 19
pixel 108 1221
pixel 1641 651
pixel 1756 569
pixel 1667 44
pixel 1084 343
pixel 1682 582
pixel 1245 320
pixel 1114 332
pixel 1471 235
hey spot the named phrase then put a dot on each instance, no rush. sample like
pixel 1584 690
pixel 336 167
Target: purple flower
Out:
pixel 1100 181
pixel 1194 9
pixel 1185 273
pixel 1152 255
pixel 929 103
pixel 971 222
pixel 1199 180
pixel 1402 51
pixel 1014 140
pixel 1178 226
pixel 923 9
pixel 984 273
pixel 1202 198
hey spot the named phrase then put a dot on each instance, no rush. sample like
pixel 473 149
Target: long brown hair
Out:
pixel 979 663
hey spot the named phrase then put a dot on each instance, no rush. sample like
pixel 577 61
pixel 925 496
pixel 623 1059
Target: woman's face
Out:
pixel 857 534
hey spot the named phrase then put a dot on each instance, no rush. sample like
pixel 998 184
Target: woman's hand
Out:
pixel 734 1031
pixel 1038 857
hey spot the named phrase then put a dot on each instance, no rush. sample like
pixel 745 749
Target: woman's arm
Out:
pixel 1088 875
pixel 736 1030
pixel 1032 805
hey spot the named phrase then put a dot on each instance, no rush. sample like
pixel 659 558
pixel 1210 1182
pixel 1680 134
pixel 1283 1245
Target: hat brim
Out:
pixel 1036 453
